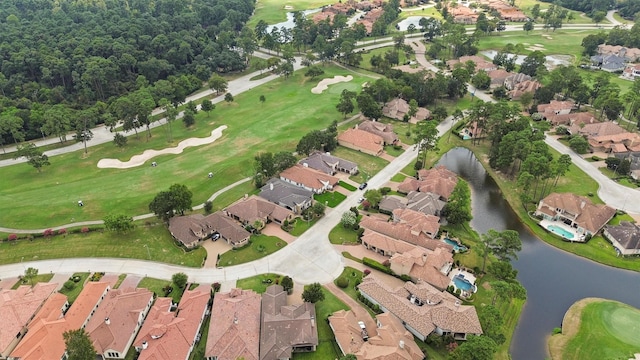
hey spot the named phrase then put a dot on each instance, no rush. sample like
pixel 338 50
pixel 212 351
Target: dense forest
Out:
pixel 586 6
pixel 60 59
pixel 629 8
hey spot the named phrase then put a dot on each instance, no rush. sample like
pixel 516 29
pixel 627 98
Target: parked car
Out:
pixel 362 186
pixel 360 200
pixel 215 237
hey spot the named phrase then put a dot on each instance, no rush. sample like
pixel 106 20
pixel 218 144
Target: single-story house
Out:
pixel 629 54
pixel 575 211
pixel 309 179
pixel 597 129
pixel 481 63
pixel 527 86
pixel 398 108
pixel 423 309
pixel 287 195
pixel 624 237
pixel 575 120
pixel 329 164
pixel 631 72
pixel 609 63
pixel 555 108
pixel 425 202
pixel 255 209
pixel 383 244
pixel 385 131
pixel 419 222
pixel 190 230
pixel 498 77
pixel 363 141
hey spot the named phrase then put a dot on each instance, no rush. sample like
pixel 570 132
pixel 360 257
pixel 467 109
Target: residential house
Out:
pixel 463 15
pixel 385 131
pixel 309 179
pixel 287 195
pixel 426 265
pixel 625 237
pixel 419 222
pixel 609 63
pixel 236 334
pixel 408 233
pixel 43 339
pixel 190 230
pixel 362 141
pixel 631 71
pixel 252 210
pixel 629 54
pixel 575 211
pixel 169 334
pixel 423 309
pixel 18 307
pixel 392 202
pixel 527 86
pixel 597 129
pixel 425 202
pixel 555 108
pixel 329 164
pixel 391 341
pixel 471 131
pixel 369 18
pixel 439 181
pixel 617 144
pixel 576 120
pixel 498 77
pixel 383 244
pixel 438 172
pixel 286 329
pixel 116 321
pixel 398 108
pixel 512 14
pixel 513 80
pixel 481 63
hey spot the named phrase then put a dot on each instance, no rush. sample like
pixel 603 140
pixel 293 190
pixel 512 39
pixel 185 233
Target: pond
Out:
pixel 554 279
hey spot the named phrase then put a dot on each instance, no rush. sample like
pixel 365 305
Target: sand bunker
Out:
pixel 324 83
pixel 138 160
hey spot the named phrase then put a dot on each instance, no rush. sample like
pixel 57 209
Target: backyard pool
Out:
pixel 456 247
pixel 560 231
pixel 463 284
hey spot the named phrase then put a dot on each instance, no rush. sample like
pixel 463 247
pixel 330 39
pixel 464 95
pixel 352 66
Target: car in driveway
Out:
pixel 362 186
pixel 215 237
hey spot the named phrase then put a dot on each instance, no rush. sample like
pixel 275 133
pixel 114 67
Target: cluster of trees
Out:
pixel 322 140
pixel 268 165
pixel 623 36
pixel 588 7
pixel 449 37
pixel 175 200
pixel 629 9
pixel 458 207
pixel 64 63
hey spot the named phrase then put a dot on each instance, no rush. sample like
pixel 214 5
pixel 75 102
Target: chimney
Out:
pixel 401 344
pixel 305 165
pixel 457 303
pixel 313 321
pixel 582 204
pixel 145 345
pixel 235 318
pixel 107 321
pixel 271 186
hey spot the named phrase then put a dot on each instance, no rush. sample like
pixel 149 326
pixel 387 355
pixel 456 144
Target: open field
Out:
pixel 428 12
pixel 274 11
pixel 598 329
pixel 252 127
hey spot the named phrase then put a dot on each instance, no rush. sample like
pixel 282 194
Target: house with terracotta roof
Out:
pixel 527 86
pixel 628 54
pixel 370 17
pixel 18 307
pixel 631 72
pixel 498 77
pixel 383 244
pixel 398 108
pixel 391 341
pixel 309 179
pixel 576 120
pixel 481 63
pixel 116 321
pixel 419 222
pixel 254 210
pixel 191 230
pixel 578 212
pixel 462 14
pixel 385 131
pixel 513 80
pixel 426 265
pixel 43 339
pixel 329 164
pixel 287 195
pixel 616 144
pixel 597 129
pixel 423 309
pixel 625 237
pixel 236 333
pixel 556 107
pixel 439 180
pixel 362 141
pixel 286 329
pixel 170 333
pixel 437 172
pixel 398 231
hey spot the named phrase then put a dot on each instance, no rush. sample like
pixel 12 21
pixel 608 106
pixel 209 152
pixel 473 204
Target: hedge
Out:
pixel 376 265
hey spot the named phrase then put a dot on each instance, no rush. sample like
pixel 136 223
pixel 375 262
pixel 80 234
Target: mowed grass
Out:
pixel 608 330
pixel 367 164
pixel 156 286
pixel 161 245
pixel 73 293
pixel 36 279
pixel 258 283
pixel 340 235
pixel 275 11
pixel 252 127
pixel 563 42
pixel 330 198
pixel 260 246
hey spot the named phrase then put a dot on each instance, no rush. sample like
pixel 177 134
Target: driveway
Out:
pixel 361 313
pixel 273 229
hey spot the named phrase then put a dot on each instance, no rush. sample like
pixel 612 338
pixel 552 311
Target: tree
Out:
pixel 208 207
pixel 598 16
pixel 313 293
pixel 180 279
pixel 262 99
pixel 189 118
pixel 120 140
pixel 535 11
pixel 318 208
pixel 533 63
pixel 475 348
pixel 78 345
pixel 30 273
pixel 503 244
pixel 167 203
pixel 287 284
pixel 34 156
pixel 217 83
pixel 349 219
pixel 207 106
pixel 481 80
pixel 373 197
pixel 368 106
pixel 528 26
pixel 501 290
pixel 426 137
pixel 502 270
pixel 228 98
pixel 579 144
pixel 313 72
pixel 491 322
pixel 118 223
pixel 458 208
pixel 345 106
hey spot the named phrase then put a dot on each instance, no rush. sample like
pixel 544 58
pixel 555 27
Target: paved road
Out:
pixel 612 19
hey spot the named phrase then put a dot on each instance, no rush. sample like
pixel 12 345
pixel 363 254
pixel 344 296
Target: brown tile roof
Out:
pixel 588 215
pixel 555 106
pixel 429 266
pixel 328 163
pixel 236 315
pixel 626 234
pixel 573 119
pixel 385 345
pixel 401 232
pixel 382 242
pixel 408 185
pixel 309 178
pixel 427 203
pixel 398 108
pixel 498 76
pixel 125 310
pixel 419 222
pixel 44 337
pixel 438 172
pixel 191 229
pixel 283 326
pixel 385 131
pixel 440 309
pixel 598 129
pixel 171 335
pixel 253 209
pixel 18 307
pixel 360 139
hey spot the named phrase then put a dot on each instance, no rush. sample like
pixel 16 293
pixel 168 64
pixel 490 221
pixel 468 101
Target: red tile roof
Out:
pixel 310 178
pixel 360 139
pixel 587 215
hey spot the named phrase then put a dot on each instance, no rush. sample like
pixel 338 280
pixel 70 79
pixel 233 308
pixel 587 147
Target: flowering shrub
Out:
pixel 216 286
pixel 366 272
pixel 84 230
pixel 62 231
pixel 47 233
pixel 12 237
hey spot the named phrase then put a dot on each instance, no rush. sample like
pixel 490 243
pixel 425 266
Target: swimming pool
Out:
pixel 466 137
pixel 560 231
pixel 457 247
pixel 463 284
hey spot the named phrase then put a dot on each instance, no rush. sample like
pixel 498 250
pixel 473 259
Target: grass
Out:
pixel 402 129
pixel 301 226
pixel 429 12
pixel 393 151
pixel 340 235
pixel 565 42
pixel 608 330
pixel 121 278
pixel 347 186
pixel 36 279
pixel 73 293
pixel 157 285
pixel 161 246
pixel 273 11
pixel 327 347
pixel 259 247
pixel 622 180
pixel 330 198
pixel 398 177
pixel 232 195
pixel 351 257
pixel 367 55
pixel 258 283
pixel 252 127
pixel 354 276
pixel 367 164
pixel 201 347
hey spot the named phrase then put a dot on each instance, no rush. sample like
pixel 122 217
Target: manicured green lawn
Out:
pixel 347 186
pixel 367 164
pixel 327 347
pixel 564 42
pixel 366 56
pixel 156 286
pixel 402 129
pixel 622 180
pixel 398 177
pixel 121 278
pixel 73 293
pixel 37 279
pixel 274 11
pixel 260 246
pixel 252 127
pixel 354 275
pixel 157 238
pixel 608 330
pixel 429 12
pixel 301 226
pixel 391 150
pixel 340 235
pixel 258 283
pixel 330 198
pixel 232 195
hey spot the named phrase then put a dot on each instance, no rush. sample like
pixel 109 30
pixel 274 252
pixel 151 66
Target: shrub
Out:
pixel 342 282
pixel 376 265
pixel 385 190
pixel 62 231
pixel 557 330
pixel 84 230
pixel 47 233
pixel 216 286
pixel 12 237
pixel 366 272
pixel 405 277
pixel 69 285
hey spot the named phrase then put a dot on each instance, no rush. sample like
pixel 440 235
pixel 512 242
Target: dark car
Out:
pixel 362 186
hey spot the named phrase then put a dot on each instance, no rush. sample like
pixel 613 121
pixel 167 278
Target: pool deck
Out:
pixel 576 236
pixel 467 275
